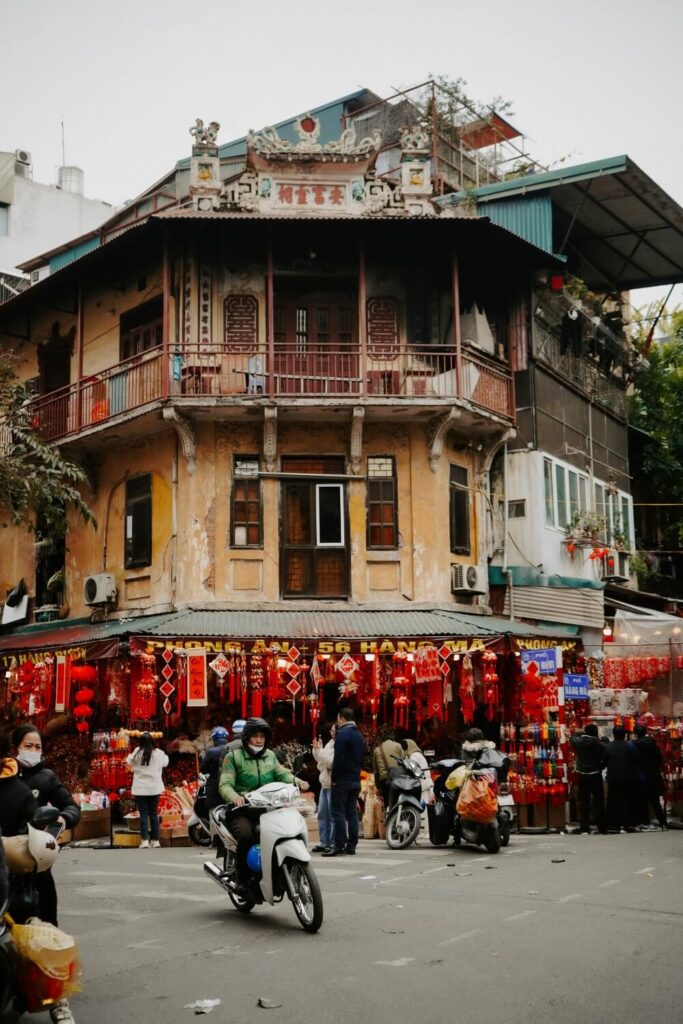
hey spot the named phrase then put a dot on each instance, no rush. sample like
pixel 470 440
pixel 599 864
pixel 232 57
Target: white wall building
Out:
pixel 34 217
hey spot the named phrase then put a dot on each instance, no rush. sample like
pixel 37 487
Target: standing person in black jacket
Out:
pixel 47 788
pixel 349 748
pixel 622 780
pixel 590 760
pixel 651 788
pixel 211 766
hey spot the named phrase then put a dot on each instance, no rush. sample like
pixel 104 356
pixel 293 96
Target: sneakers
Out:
pixel 61 1013
pixel 155 844
pixel 144 844
pixel 319 848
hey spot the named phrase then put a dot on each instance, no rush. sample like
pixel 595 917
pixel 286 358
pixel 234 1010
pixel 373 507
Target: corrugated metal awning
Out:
pixel 617 226
pixel 57 635
pixel 365 624
pixel 559 604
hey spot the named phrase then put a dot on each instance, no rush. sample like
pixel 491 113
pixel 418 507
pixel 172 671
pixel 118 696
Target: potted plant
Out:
pixel 618 533
pixel 586 525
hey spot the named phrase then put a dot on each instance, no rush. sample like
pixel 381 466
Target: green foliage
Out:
pixel 37 484
pixel 656 407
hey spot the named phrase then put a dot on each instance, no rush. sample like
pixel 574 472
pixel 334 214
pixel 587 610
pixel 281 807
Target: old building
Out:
pixel 334 381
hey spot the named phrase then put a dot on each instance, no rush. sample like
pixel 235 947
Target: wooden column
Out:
pixel 456 322
pixel 270 315
pixel 166 322
pixel 362 315
pixel 79 356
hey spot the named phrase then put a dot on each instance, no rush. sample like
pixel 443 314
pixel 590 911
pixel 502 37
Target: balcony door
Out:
pixel 314 546
pixel 316 343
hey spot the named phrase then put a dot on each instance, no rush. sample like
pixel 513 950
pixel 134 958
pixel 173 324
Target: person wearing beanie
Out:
pixel 590 761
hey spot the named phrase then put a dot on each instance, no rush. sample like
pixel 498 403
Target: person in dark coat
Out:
pixel 651 787
pixel 622 760
pixel 349 748
pixel 17 802
pixel 47 788
pixel 590 760
pixel 211 766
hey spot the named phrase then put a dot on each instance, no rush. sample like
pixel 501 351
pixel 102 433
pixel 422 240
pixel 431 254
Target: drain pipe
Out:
pixel 507 573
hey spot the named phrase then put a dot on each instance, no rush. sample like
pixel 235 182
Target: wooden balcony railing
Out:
pixel 298 371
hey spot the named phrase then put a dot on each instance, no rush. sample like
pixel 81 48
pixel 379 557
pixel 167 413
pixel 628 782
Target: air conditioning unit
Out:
pixel 469 579
pixel 615 567
pixel 99 588
pixel 22 157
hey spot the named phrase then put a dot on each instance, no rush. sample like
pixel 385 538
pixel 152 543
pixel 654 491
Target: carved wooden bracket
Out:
pixel 185 431
pixel 270 438
pixel 436 436
pixel 356 445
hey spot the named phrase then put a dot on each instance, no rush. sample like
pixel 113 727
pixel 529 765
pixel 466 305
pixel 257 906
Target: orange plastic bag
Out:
pixel 478 800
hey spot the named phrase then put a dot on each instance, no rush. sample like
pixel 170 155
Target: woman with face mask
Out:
pixel 47 788
pixel 17 802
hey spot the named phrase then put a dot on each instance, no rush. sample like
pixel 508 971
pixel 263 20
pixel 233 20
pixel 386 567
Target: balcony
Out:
pixel 295 372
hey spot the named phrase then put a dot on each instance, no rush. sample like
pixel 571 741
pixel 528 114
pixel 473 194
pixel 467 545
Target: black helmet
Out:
pixel 253 725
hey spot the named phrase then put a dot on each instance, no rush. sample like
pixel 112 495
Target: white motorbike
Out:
pixel 279 862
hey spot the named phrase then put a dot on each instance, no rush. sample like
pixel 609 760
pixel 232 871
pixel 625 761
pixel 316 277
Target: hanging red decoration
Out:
pixel 84 674
pixel 82 709
pixel 466 690
pixel 257 686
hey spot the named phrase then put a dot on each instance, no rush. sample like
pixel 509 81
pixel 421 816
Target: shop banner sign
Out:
pixel 545 659
pixel 575 687
pixel 197 685
pixel 60 682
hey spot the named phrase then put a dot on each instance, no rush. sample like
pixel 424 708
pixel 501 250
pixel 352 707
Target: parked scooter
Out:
pixel 443 818
pixel 279 863
pixel 199 825
pixel 405 806
pixel 26 856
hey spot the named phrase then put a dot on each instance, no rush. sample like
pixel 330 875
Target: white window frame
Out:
pixel 575 483
pixel 339 488
pixel 612 503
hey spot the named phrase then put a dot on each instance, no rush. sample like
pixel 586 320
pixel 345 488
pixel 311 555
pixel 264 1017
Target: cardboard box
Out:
pixel 174 836
pixel 93 825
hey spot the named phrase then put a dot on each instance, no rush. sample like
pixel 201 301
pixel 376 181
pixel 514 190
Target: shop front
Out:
pixel 428 674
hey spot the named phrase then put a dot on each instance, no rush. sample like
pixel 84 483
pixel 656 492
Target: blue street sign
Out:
pixel 545 659
pixel 575 687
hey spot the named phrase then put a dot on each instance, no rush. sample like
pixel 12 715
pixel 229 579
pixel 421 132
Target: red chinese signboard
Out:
pixel 313 195
pixel 60 682
pixel 197 690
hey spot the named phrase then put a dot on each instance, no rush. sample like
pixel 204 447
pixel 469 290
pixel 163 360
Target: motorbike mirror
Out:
pixel 45 816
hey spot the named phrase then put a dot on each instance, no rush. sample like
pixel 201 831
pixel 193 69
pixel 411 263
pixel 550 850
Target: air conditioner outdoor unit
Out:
pixel 469 579
pixel 22 156
pixel 99 588
pixel 614 566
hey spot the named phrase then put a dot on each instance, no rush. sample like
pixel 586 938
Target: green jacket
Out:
pixel 241 773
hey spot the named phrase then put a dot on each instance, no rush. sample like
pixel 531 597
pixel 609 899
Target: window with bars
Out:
pixel 246 506
pixel 382 511
pixel 138 522
pixel 459 511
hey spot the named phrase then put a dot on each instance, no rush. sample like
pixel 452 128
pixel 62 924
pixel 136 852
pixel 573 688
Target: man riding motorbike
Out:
pixel 243 771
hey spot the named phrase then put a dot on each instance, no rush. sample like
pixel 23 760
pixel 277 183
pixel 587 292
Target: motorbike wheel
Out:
pixel 305 894
pixel 403 833
pixel 198 835
pixel 492 841
pixel 505 835
pixel 242 903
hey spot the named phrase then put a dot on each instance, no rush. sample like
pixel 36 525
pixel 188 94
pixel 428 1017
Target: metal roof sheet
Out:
pixel 336 624
pixel 65 634
pixel 615 224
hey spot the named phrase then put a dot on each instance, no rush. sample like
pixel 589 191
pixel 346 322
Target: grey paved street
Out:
pixel 557 928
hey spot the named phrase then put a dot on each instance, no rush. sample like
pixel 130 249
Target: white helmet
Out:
pixel 36 851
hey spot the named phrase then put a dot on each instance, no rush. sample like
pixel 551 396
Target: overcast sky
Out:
pixel 587 79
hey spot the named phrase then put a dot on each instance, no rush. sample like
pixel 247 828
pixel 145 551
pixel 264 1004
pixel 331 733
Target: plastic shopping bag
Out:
pixel 50 967
pixel 457 777
pixel 478 800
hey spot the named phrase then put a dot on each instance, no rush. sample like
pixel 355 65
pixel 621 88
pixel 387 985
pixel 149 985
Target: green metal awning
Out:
pixel 343 624
pixel 615 225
